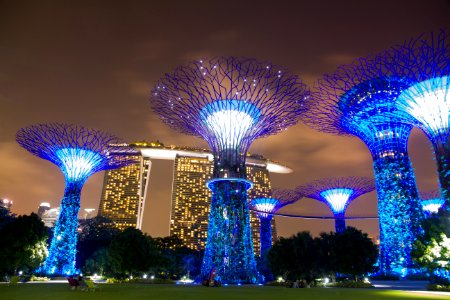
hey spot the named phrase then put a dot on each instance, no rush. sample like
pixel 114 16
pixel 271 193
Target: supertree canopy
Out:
pixel 229 102
pixel 426 102
pixel 265 207
pixel 78 152
pixel 431 202
pixel 337 194
pixel 359 99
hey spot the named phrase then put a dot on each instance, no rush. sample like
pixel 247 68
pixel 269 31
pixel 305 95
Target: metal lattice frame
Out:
pixel 229 102
pixel 78 152
pixel 360 100
pixel 265 207
pixel 271 94
pixel 337 194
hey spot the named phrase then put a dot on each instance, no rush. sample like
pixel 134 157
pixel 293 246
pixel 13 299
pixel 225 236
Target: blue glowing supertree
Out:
pixel 229 102
pixel 425 61
pixel 78 152
pixel 432 202
pixel 265 207
pixel 359 99
pixel 337 194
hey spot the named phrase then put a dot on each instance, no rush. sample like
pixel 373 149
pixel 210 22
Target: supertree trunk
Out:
pixel 229 248
pixel 442 153
pixel 61 259
pixel 399 210
pixel 339 223
pixel 265 234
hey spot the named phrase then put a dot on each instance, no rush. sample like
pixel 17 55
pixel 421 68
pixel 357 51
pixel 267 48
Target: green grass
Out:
pixel 45 291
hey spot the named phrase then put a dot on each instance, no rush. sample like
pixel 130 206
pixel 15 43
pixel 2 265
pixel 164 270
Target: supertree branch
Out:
pixel 337 194
pixel 229 102
pixel 78 152
pixel 360 100
pixel 279 96
pixel 264 207
pixel 432 202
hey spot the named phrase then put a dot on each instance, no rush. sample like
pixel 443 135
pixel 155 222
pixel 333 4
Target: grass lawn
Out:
pixel 46 291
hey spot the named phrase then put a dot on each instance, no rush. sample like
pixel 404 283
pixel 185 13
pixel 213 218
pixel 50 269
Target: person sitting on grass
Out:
pixel 82 283
pixel 72 282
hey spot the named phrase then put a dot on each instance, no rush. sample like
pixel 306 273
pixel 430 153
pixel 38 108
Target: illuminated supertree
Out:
pixel 265 207
pixel 337 194
pixel 78 152
pixel 359 99
pixel 229 102
pixel 426 102
pixel 431 202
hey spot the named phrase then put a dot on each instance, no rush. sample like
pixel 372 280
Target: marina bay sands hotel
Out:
pixel 124 190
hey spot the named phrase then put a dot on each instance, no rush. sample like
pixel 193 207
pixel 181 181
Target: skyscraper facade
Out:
pixel 122 199
pixel 190 200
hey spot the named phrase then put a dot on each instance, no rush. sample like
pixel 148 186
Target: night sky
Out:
pixel 94 62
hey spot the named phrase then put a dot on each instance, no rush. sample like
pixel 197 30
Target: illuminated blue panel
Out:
pixel 230 121
pixel 267 205
pixel 432 206
pixel 78 164
pixel 337 199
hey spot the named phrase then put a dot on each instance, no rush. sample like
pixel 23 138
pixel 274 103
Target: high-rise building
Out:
pixel 124 190
pixel 190 200
pixel 123 194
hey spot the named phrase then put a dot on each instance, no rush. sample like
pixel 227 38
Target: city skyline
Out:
pixel 105 63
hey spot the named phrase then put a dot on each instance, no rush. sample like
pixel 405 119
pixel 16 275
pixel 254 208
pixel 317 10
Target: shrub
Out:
pixel 37 278
pixel 14 280
pixel 437 287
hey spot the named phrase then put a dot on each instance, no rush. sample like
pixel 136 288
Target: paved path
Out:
pixel 404 285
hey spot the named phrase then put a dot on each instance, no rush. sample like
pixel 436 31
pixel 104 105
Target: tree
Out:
pixel 431 250
pixel 132 252
pixel 179 260
pixel 96 234
pixel 353 253
pixel 296 257
pixel 22 244
pixel 98 262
